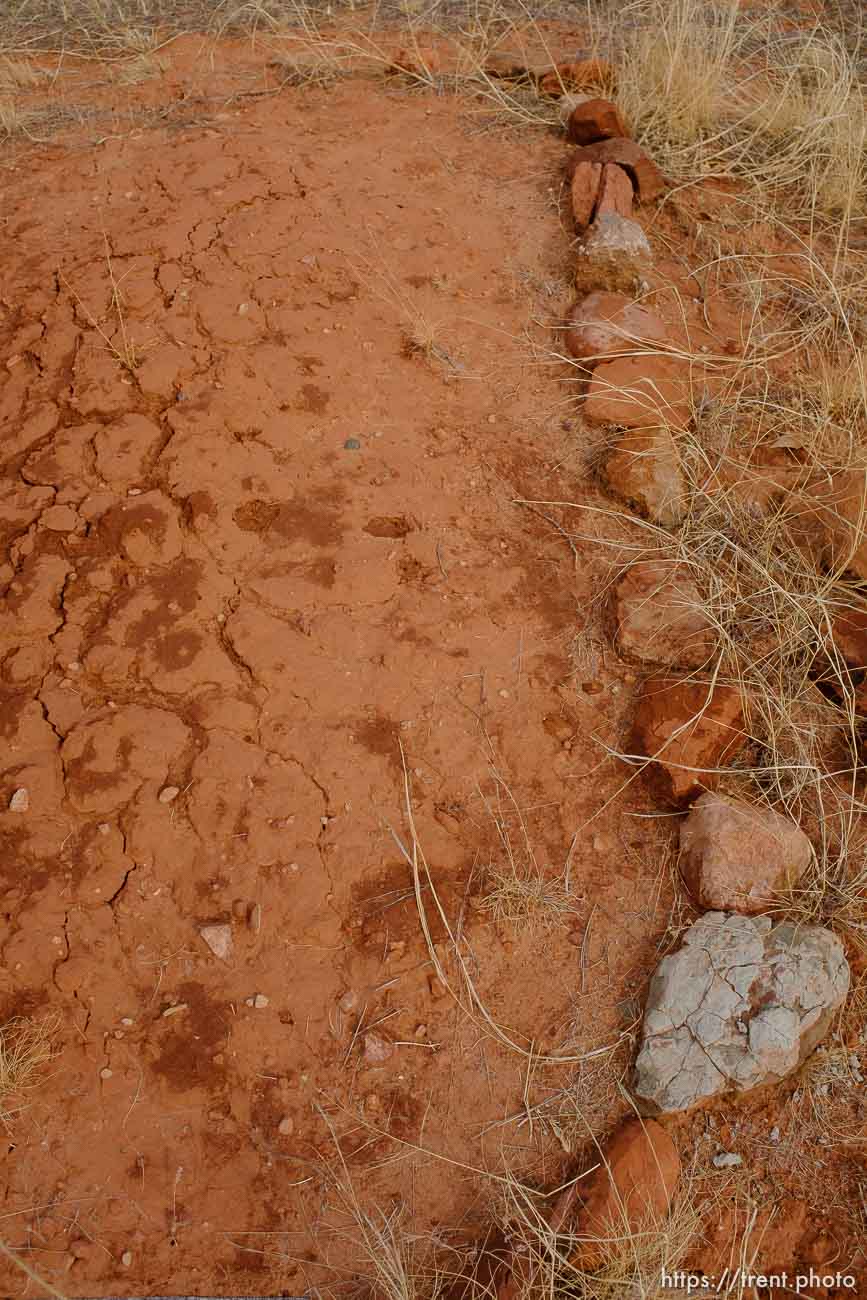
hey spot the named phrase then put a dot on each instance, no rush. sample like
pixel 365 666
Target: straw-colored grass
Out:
pixel 714 92
pixel 26 1045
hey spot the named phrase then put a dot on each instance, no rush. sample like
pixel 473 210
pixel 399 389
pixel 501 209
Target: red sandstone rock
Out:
pixel 629 1192
pixel 648 181
pixel 644 470
pixel 736 857
pixel 595 119
pixel 640 392
pixel 849 633
pixel 603 324
pixel 688 729
pixel 577 76
pixel 615 193
pixel 658 617
pixel 586 180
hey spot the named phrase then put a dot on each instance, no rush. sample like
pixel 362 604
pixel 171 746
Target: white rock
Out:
pixel 613 255
pixel 740 1004
pixel 727 1160
pixel 219 940
pixel 168 793
pixel 20 801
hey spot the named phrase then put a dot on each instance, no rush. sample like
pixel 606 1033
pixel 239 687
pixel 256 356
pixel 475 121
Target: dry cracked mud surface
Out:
pixel 274 393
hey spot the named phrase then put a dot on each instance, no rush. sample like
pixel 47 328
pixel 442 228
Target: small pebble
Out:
pixel 105 1072
pixel 286 1127
pixel 259 1001
pixel 20 801
pixel 348 1002
pixel 377 1049
pixel 134 492
pixel 168 793
pixel 352 444
pixel 727 1160
pixel 774 1134
pixel 126 1258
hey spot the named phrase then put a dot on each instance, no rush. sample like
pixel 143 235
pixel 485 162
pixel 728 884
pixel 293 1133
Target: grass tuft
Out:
pixel 25 1047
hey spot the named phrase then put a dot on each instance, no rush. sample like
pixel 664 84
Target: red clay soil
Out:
pixel 283 549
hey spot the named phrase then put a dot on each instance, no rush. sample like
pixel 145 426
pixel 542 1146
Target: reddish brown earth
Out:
pixel 282 556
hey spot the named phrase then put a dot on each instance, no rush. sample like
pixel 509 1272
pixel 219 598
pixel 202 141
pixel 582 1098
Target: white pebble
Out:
pixel 168 793
pixel 727 1160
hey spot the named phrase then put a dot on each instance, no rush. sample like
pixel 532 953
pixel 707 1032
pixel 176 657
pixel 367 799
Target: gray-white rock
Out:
pixel 742 1003
pixel 615 254
pixel 727 1160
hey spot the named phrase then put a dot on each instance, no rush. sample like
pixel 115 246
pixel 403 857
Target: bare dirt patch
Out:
pixel 277 388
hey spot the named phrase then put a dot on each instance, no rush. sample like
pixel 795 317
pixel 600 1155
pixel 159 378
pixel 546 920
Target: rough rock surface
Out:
pixel 586 180
pixel 689 729
pixel 644 469
pixel 595 119
pixel 845 520
pixel 740 1004
pixel 630 1189
pixel 577 76
pixel 735 857
pixel 658 618
pixel 647 179
pixel 640 392
pixel 614 255
pixel 605 324
pixel 849 633
pixel 615 193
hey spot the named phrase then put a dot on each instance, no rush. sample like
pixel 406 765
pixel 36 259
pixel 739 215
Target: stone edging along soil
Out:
pixel 745 998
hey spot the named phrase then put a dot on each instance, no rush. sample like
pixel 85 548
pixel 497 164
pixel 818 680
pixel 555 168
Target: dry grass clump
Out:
pixel 518 890
pixel 25 1046
pixel 713 92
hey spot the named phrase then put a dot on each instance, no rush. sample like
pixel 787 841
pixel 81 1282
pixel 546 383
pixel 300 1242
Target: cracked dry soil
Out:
pixel 206 589
pixel 239 575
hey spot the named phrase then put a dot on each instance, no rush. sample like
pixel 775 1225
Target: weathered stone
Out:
pixel 688 730
pixel 736 857
pixel 595 119
pixel 614 255
pixel 629 1191
pixel 640 392
pixel 607 324
pixel 644 470
pixel 849 634
pixel 615 193
pixel 742 1003
pixel 577 76
pixel 839 505
pixel 377 1049
pixel 647 180
pixel 658 617
pixel 586 180
pixel 219 940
